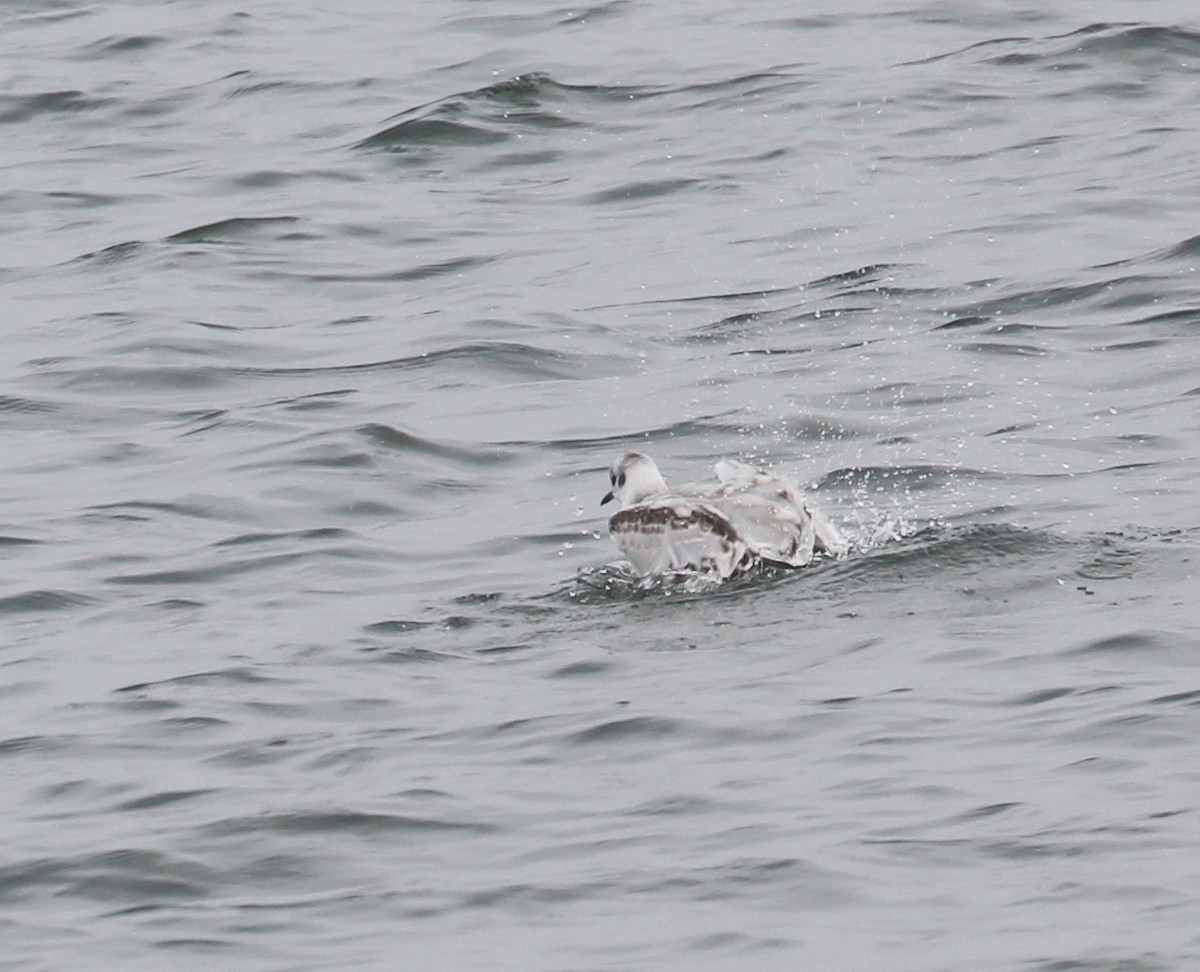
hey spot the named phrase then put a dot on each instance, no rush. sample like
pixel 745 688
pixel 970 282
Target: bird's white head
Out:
pixel 634 478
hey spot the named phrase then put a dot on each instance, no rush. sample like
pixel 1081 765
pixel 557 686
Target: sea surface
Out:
pixel 321 326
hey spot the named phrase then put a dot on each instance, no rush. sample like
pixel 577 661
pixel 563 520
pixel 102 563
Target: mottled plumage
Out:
pixel 749 517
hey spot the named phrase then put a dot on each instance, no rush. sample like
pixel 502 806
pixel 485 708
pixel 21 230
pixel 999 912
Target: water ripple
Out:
pixel 321 331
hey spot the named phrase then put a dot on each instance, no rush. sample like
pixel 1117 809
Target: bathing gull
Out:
pixel 747 519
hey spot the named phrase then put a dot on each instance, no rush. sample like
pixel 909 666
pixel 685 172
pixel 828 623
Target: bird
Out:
pixel 748 519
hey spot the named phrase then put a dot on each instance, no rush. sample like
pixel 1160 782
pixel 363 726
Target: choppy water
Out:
pixel 322 325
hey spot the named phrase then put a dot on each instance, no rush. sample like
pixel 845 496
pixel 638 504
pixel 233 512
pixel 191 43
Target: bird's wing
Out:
pixel 774 527
pixel 676 533
pixel 735 474
pixel 771 513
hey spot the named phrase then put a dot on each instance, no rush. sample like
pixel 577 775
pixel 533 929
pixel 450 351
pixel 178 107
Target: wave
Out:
pixel 17 109
pixel 1143 45
pixel 489 115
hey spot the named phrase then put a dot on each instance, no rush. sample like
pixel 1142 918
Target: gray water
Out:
pixel 322 324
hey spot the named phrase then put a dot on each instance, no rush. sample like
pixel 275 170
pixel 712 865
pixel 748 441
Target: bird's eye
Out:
pixel 612 479
pixel 621 480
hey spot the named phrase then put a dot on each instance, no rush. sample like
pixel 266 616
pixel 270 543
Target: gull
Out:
pixel 747 519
